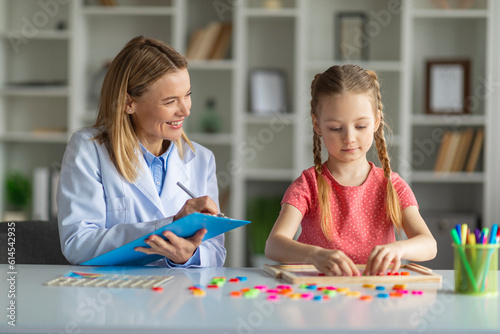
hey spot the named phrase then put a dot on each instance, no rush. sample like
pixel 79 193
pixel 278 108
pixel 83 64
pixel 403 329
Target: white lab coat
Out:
pixel 98 210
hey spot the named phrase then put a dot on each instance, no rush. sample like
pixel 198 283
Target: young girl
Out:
pixel 348 207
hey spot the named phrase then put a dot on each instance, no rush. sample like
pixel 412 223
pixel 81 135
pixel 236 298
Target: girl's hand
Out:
pixel 381 257
pixel 175 248
pixel 334 263
pixel 199 204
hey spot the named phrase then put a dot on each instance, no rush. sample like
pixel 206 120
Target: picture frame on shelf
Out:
pixel 447 86
pixel 268 91
pixel 352 42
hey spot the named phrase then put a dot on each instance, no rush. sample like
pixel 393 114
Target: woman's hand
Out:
pixel 199 204
pixel 381 258
pixel 175 248
pixel 334 262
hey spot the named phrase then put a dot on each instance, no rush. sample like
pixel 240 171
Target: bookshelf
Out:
pixel 436 144
pixel 257 156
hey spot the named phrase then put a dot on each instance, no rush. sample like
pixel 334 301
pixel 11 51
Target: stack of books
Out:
pixel 211 42
pixel 459 150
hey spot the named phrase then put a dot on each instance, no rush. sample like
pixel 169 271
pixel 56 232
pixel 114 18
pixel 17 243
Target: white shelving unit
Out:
pixel 35 86
pixel 448 34
pixel 256 155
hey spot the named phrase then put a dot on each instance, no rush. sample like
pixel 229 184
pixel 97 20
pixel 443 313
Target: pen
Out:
pixel 494 231
pixel 472 239
pixel 220 214
pixel 458 228
pixel 186 190
pixel 463 234
pixel 485 235
pixel 478 235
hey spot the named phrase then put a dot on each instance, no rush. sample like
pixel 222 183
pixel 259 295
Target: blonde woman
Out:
pixel 120 175
pixel 349 208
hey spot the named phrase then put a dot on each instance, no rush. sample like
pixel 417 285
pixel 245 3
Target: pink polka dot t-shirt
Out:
pixel 359 219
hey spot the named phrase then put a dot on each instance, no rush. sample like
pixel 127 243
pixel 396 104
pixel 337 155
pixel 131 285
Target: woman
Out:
pixel 120 175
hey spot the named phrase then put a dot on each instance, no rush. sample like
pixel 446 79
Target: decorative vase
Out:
pixel 210 120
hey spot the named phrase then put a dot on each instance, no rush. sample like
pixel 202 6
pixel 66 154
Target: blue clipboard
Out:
pixel 184 227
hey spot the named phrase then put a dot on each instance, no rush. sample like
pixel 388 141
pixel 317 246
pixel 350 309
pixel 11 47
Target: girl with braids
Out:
pixel 118 177
pixel 347 207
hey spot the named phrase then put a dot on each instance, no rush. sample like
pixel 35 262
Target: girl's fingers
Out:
pixel 384 265
pixel 397 265
pixel 336 270
pixel 346 268
pixel 355 270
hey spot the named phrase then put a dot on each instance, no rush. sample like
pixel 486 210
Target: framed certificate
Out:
pixel 352 41
pixel 447 86
pixel 268 92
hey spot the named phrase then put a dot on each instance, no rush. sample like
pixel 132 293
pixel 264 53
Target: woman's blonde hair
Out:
pixel 133 71
pixel 354 80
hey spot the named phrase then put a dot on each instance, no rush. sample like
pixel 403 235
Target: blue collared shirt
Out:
pixel 157 166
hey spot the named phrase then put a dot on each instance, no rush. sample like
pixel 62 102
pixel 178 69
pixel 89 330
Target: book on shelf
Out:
pixel 211 42
pixel 451 151
pixel 108 3
pixel 222 43
pixel 475 151
pixel 443 149
pixel 205 44
pixel 463 149
pixel 459 150
pixel 194 43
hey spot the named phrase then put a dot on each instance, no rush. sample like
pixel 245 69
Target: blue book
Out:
pixel 184 227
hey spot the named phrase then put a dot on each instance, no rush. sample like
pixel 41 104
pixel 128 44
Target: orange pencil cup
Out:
pixel 476 269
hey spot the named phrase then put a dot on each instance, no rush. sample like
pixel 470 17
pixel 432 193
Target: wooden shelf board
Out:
pixel 450 13
pixel 449 120
pixel 33 137
pixel 270 174
pixel 129 10
pixel 447 177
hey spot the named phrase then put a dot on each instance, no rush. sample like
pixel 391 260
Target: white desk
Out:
pixel 176 310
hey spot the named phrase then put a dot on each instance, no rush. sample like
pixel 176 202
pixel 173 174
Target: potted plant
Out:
pixel 17 196
pixel 262 211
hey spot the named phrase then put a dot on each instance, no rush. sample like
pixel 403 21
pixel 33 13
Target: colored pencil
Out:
pixel 468 270
pixel 458 228
pixel 494 232
pixel 463 235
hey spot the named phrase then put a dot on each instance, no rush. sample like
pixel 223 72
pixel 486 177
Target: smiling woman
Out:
pixel 118 178
pixel 158 115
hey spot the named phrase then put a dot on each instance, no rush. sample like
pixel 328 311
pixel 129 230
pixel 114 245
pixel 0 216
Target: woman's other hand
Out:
pixel 175 248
